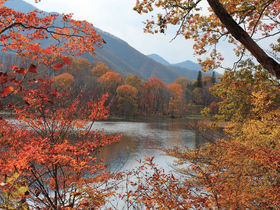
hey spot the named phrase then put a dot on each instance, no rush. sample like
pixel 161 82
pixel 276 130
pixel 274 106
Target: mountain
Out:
pixel 19 5
pixel 189 65
pixel 186 69
pixel 158 59
pixel 119 56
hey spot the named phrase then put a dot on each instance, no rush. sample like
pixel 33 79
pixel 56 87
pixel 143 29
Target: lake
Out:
pixel 145 138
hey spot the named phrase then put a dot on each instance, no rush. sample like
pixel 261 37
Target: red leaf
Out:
pixel 57 66
pixel 85 204
pixel 54 93
pixel 39 80
pixel 3 78
pixel 7 90
pixel 47 51
pixel 21 71
pixel 37 192
pixel 32 69
pixel 66 60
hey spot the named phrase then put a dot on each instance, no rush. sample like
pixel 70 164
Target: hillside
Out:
pixel 159 59
pixel 121 57
pixel 186 68
pixel 188 64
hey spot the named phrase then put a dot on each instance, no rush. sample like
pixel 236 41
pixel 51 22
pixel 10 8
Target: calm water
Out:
pixel 142 139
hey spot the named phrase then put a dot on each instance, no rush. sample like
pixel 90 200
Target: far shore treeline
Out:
pixel 128 95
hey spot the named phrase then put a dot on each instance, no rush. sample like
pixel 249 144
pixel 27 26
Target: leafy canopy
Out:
pixel 242 23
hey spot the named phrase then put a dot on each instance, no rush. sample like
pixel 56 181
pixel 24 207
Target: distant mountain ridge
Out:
pixel 159 59
pixel 188 64
pixel 119 56
pixel 180 67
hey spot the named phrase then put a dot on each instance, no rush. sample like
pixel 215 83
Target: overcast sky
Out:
pixel 118 18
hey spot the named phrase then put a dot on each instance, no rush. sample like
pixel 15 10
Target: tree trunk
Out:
pixel 243 37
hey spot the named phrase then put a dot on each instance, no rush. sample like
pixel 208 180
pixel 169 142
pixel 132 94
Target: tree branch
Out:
pixel 244 38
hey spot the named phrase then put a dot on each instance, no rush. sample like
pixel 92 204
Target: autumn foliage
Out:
pixel 23 33
pixel 52 146
pixel 64 81
pixel 241 23
pixel 49 149
pixel 240 171
pixel 176 99
pixel 127 99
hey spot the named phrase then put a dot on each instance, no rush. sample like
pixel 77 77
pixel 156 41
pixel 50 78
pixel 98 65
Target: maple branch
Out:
pixel 243 37
pixel 261 13
pixel 189 9
pixel 41 186
pixel 16 24
pixel 269 35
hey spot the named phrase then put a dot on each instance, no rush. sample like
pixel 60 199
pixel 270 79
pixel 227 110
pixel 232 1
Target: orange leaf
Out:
pixel 57 66
pixel 32 69
pixel 14 67
pixel 7 90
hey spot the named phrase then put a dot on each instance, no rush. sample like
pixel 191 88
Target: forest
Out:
pixel 129 96
pixel 50 152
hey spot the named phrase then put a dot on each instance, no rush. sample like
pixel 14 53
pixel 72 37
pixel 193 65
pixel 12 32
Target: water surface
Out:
pixel 142 139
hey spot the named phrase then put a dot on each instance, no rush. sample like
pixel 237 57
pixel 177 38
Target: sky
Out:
pixel 118 18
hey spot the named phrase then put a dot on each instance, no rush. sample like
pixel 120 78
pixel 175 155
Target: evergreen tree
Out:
pixel 213 78
pixel 199 80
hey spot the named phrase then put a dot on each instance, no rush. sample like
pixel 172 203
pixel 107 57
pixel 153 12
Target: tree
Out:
pixel 41 160
pixel 175 106
pixel 127 99
pixel 240 171
pixel 186 87
pixel 22 31
pixel 198 82
pixel 198 96
pixel 213 78
pixel 100 69
pixel 79 67
pixel 83 79
pixel 206 81
pixel 238 21
pixel 54 150
pixel 64 81
pixel 109 82
pixel 153 96
pixel 151 187
pixel 184 82
pixel 22 34
pixel 237 91
pixel 133 80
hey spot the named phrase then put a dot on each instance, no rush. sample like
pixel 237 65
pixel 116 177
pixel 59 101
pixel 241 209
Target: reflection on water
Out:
pixel 142 139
